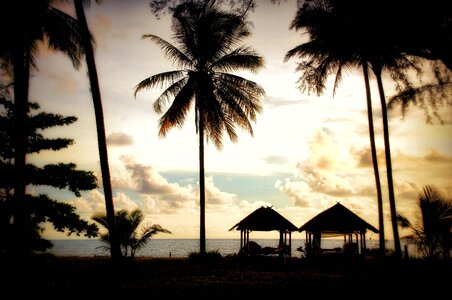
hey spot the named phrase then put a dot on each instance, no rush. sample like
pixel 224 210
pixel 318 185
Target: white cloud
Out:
pixel 118 138
pixel 275 159
pixel 89 204
pixel 146 180
pixel 122 201
pixel 217 197
pixel 298 191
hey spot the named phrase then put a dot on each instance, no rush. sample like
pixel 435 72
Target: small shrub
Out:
pixel 208 257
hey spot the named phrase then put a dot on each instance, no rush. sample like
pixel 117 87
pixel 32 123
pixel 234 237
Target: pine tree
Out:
pixel 39 209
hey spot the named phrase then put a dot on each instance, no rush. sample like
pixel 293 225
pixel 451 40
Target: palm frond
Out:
pixel 230 30
pixel 176 113
pixel 63 34
pixel 135 218
pixel 403 222
pixel 173 53
pixel 159 80
pixel 338 77
pixel 243 58
pixel 145 236
pixel 169 94
pixel 296 51
pixel 101 219
pixel 238 104
pixel 246 93
pixel 213 117
pixel 236 115
pixel 428 97
pixel 229 125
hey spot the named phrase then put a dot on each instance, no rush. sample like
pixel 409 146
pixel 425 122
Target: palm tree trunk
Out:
pixel 115 250
pixel 392 204
pixel 202 194
pixel 374 159
pixel 21 64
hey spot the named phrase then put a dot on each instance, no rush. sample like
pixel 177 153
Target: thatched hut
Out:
pixel 337 221
pixel 266 219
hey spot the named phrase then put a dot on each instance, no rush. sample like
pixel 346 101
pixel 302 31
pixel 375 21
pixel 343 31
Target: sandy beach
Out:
pixel 51 276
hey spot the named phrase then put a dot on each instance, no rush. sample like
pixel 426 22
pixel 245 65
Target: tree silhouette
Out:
pixel 207 39
pixel 324 54
pixel 100 126
pixel 344 34
pixel 424 30
pixel 131 237
pixel 241 7
pixel 38 209
pixel 24 24
pixel 432 230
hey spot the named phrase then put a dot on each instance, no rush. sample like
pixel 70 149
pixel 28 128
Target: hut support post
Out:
pixel 241 234
pixel 361 243
pixel 241 239
pixel 357 244
pixel 281 239
pixel 290 243
pixel 364 243
pixel 247 239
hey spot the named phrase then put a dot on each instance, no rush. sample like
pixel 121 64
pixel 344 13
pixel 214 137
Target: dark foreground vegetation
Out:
pixel 67 277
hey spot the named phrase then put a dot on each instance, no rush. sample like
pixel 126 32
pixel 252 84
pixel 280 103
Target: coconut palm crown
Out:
pixel 207 51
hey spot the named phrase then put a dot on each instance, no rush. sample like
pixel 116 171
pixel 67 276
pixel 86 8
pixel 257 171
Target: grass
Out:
pixel 50 276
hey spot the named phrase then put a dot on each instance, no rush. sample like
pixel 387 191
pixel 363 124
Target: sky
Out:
pixel 308 152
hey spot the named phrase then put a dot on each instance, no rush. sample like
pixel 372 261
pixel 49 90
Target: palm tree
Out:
pixel 24 24
pixel 207 39
pixel 432 230
pixel 130 236
pixel 326 55
pixel 351 34
pixel 382 50
pixel 373 149
pixel 100 126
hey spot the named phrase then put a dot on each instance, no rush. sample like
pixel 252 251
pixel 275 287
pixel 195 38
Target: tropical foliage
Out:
pixel 432 230
pixel 132 236
pixel 325 55
pixel 39 209
pixel 207 51
pixel 24 25
pixel 424 29
pixel 342 35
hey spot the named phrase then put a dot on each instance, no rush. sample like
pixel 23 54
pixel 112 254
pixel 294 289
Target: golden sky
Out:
pixel 307 153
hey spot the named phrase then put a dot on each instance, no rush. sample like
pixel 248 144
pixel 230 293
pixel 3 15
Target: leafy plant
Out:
pixel 132 236
pixel 432 230
pixel 212 256
pixel 38 209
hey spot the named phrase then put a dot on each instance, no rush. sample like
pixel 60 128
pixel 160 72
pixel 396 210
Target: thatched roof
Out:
pixel 264 219
pixel 337 219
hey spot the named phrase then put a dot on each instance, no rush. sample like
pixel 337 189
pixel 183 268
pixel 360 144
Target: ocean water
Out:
pixel 183 247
